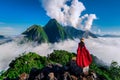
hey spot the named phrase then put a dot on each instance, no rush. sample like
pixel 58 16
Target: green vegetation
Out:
pixel 61 56
pixel 55 31
pixel 115 70
pixel 104 73
pixel 36 33
pixel 110 73
pixel 52 32
pixel 25 62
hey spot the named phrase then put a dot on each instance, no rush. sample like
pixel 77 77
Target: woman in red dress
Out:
pixel 84 58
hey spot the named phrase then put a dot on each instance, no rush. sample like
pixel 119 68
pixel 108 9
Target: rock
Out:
pixel 24 76
pixel 52 76
pixel 59 72
pixel 35 74
pixel 73 68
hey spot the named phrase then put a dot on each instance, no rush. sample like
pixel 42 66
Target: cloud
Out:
pixel 89 21
pixel 8 31
pixel 107 49
pixel 68 15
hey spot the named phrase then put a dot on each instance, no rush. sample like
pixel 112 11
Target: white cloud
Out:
pixel 68 14
pixel 89 21
pixel 8 31
pixel 107 49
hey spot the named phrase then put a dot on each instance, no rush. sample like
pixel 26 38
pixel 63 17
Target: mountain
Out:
pixel 55 31
pixel 36 33
pixel 88 34
pixel 75 33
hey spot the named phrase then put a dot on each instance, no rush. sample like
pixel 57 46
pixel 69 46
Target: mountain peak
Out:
pixel 55 31
pixel 36 33
pixel 53 23
pixel 35 27
pixel 53 20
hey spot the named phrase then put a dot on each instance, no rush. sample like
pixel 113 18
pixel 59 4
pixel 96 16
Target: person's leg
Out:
pixel 86 70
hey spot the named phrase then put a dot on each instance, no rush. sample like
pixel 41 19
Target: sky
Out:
pixel 17 15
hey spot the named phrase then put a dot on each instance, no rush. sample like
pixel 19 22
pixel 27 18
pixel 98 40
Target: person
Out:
pixel 84 58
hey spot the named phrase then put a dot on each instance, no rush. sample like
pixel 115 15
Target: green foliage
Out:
pixel 1 78
pixel 104 73
pixel 55 31
pixel 111 73
pixel 115 70
pixel 52 32
pixel 61 56
pixel 36 33
pixel 25 63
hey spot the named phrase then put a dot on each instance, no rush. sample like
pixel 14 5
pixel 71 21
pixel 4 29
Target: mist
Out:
pixel 106 49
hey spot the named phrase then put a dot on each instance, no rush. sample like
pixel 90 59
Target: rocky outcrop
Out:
pixel 59 72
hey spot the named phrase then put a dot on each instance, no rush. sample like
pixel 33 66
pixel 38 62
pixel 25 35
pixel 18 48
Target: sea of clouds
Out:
pixel 106 49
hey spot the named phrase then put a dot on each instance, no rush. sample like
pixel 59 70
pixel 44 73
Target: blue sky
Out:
pixel 17 15
pixel 108 13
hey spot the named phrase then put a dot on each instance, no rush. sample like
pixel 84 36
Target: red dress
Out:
pixel 83 56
